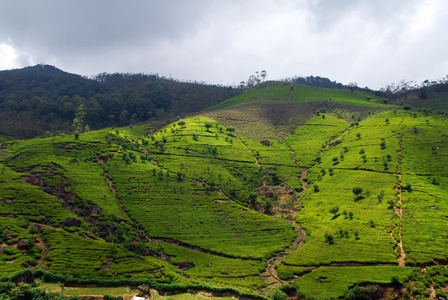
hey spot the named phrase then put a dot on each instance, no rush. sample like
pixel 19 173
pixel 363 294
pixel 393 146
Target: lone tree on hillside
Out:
pixel 334 210
pixel 357 190
pixel 230 129
pixel 208 125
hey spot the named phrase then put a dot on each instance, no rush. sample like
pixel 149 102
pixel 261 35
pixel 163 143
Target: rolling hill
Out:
pixel 282 190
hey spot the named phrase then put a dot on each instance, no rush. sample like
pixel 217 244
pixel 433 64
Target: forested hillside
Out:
pixel 41 99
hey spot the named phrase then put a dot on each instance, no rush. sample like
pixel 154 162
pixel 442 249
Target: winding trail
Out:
pixel 399 211
pixel 301 234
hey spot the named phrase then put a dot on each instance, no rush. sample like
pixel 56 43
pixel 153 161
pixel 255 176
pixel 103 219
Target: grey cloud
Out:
pixel 90 26
pixel 372 42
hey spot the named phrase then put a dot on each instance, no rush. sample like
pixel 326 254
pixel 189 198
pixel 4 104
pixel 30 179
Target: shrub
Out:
pixel 109 297
pixel 30 241
pixel 33 229
pixel 395 280
pixel 268 206
pixel 278 294
pixel 380 196
pixel 357 190
pixel 11 251
pixel 334 210
pixel 329 238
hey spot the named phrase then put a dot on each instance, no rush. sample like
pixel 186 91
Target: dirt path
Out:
pixel 255 157
pixel 289 94
pixel 302 179
pixel 301 234
pixel 399 211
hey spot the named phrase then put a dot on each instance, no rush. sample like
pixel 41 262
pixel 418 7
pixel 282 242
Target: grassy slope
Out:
pixel 178 210
pixel 85 178
pixel 193 185
pixel 301 93
pixel 72 255
pixel 337 280
pixel 274 112
pixel 423 206
pixel 83 168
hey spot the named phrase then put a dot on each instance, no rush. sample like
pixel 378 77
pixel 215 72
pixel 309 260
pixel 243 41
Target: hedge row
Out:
pixel 160 287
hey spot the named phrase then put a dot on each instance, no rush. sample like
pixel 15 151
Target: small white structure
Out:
pixel 137 298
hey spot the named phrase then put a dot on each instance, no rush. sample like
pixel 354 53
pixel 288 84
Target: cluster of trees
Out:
pixel 317 81
pixel 253 80
pixel 38 99
pixel 424 90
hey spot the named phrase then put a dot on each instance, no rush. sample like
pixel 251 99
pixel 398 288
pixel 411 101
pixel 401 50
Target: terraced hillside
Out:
pixel 317 210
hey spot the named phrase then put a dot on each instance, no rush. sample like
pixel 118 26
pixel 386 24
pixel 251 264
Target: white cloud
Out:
pixel 8 57
pixel 12 58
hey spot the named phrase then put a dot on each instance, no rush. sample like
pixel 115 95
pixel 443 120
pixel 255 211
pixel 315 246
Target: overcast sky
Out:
pixel 371 42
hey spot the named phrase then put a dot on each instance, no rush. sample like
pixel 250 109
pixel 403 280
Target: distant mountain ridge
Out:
pixel 43 69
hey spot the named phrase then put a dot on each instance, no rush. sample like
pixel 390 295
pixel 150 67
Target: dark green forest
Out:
pixel 43 99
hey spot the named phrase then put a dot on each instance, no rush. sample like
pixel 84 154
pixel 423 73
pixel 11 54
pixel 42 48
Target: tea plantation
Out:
pixel 332 208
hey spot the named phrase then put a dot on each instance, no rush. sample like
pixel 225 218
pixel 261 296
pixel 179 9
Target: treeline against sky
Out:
pixel 41 99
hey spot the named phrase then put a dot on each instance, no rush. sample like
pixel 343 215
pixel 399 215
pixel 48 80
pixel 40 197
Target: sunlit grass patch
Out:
pixel 334 282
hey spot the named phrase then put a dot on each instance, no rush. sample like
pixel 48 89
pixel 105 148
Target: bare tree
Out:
pixel 263 74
